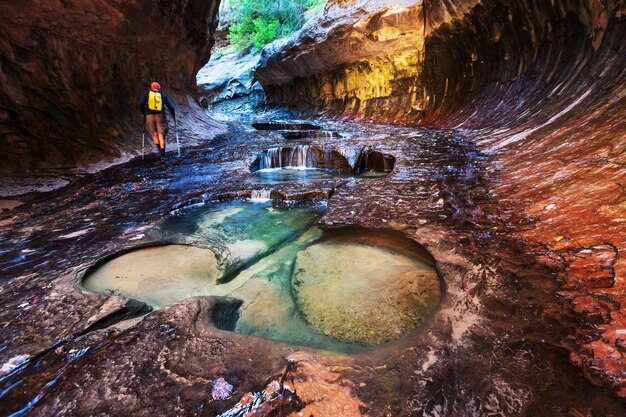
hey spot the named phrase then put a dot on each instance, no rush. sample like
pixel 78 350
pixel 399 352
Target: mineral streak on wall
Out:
pixel 71 72
pixel 539 82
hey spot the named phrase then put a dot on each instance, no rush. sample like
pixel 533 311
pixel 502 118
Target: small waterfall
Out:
pixel 270 158
pixel 299 156
pixel 308 134
pixel 326 134
pixel 261 196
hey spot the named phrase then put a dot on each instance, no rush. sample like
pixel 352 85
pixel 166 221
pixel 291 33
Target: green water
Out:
pixel 248 251
pixel 240 232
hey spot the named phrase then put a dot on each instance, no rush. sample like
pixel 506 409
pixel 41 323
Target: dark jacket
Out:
pixel 143 104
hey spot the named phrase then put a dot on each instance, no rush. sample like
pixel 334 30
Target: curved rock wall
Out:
pixel 435 62
pixel 72 71
pixel 539 84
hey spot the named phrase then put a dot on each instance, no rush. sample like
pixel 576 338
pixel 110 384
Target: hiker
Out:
pixel 151 106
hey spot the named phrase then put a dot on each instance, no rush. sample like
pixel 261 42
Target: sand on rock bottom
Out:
pixel 362 294
pixel 158 275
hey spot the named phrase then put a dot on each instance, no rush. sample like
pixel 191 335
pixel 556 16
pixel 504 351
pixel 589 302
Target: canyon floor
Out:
pixel 499 343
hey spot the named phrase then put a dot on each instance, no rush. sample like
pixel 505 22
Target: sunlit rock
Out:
pixel 360 59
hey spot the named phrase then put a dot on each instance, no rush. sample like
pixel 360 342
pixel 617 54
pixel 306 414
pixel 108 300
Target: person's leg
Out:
pixel 152 126
pixel 161 133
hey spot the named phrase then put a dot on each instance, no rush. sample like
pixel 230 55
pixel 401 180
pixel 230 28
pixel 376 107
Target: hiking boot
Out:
pixel 164 159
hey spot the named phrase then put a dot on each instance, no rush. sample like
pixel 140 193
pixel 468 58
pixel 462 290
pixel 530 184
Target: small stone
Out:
pixel 222 390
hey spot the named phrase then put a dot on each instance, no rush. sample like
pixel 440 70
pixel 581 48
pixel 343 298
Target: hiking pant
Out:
pixel 156 123
pixel 158 126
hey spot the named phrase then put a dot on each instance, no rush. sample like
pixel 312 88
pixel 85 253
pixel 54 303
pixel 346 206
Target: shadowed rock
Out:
pixel 372 160
pixel 73 72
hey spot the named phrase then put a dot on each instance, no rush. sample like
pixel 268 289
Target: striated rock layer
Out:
pixel 72 72
pixel 537 83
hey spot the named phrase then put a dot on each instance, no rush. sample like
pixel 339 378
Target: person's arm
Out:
pixel 142 103
pixel 169 105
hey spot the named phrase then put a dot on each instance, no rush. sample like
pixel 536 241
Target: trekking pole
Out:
pixel 176 131
pixel 143 137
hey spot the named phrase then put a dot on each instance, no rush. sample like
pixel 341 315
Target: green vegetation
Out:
pixel 255 23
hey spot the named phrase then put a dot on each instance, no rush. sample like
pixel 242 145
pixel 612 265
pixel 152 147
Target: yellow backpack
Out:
pixel 155 101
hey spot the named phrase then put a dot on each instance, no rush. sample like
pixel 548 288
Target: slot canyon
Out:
pixel 409 208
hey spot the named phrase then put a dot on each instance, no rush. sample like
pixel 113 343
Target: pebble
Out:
pixel 222 390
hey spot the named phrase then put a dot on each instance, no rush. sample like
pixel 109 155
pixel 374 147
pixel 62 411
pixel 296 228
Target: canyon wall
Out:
pixel 360 59
pixel 72 72
pixel 434 62
pixel 538 84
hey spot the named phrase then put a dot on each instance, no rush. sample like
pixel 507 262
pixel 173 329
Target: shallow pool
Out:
pixel 294 283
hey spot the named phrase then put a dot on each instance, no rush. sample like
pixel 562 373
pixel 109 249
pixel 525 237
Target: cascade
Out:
pixel 261 196
pixel 293 157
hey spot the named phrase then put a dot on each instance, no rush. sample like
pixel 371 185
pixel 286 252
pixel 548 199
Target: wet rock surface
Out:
pixel 500 342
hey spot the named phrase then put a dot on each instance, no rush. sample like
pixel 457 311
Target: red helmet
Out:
pixel 155 86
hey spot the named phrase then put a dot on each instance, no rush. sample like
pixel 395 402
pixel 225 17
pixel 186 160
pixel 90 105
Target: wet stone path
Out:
pixel 497 344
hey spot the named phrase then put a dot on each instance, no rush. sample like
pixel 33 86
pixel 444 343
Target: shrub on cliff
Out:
pixel 258 22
